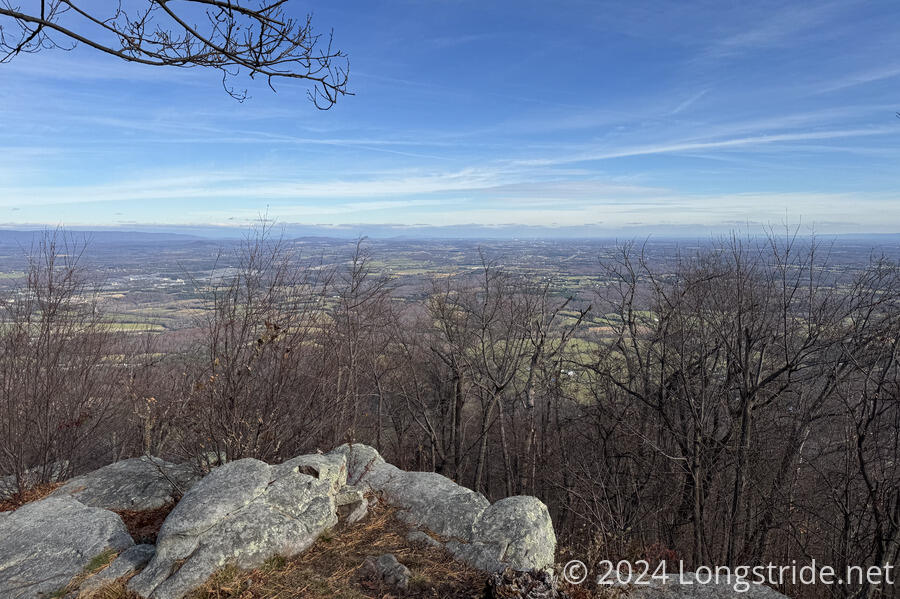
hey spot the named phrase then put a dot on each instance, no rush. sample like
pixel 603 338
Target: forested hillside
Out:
pixel 731 404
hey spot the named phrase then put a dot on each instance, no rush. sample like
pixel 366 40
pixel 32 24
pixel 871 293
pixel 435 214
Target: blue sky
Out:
pixel 618 117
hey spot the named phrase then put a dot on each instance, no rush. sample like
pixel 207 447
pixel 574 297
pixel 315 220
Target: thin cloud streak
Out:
pixel 662 112
pixel 862 78
pixel 707 145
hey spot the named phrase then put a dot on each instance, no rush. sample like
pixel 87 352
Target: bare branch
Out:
pixel 257 37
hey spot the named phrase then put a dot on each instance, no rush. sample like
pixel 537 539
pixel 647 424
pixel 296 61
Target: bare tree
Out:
pixel 482 362
pixel 258 37
pixel 855 467
pixel 732 354
pixel 355 340
pixel 436 388
pixel 254 393
pixel 738 404
pixel 59 381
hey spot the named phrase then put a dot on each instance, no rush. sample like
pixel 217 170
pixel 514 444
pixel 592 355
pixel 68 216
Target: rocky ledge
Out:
pixel 244 513
pixel 247 512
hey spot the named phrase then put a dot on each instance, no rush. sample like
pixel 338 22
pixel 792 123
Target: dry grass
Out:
pixel 143 526
pixel 98 563
pixel 115 590
pixel 328 569
pixel 17 500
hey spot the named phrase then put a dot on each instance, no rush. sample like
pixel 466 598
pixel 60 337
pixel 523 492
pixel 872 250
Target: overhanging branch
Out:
pixel 260 39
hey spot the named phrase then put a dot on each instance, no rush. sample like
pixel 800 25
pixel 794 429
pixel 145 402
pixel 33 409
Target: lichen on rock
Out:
pixel 241 514
pixel 44 544
pixel 515 532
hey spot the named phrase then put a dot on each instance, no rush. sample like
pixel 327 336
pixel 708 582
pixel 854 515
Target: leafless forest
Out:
pixel 736 405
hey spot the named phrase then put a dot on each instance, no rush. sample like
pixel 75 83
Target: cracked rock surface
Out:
pixel 242 513
pixel 515 532
pixel 44 544
pixel 426 499
pixel 131 560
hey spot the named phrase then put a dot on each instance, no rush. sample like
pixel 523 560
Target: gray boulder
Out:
pixel 133 559
pixel 360 460
pixel 349 496
pixel 143 483
pixel 515 532
pixel 432 501
pixel 331 468
pixel 352 504
pixel 242 513
pixel 426 499
pixel 687 586
pixel 53 473
pixel 357 512
pixel 386 569
pixel 44 544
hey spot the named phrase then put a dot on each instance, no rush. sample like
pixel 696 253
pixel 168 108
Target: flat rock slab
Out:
pixel 44 544
pixel 242 513
pixel 140 484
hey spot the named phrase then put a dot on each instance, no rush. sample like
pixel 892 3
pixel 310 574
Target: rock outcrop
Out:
pixel 143 483
pixel 242 513
pixel 417 537
pixel 44 544
pixel 352 505
pixel 694 589
pixel 515 532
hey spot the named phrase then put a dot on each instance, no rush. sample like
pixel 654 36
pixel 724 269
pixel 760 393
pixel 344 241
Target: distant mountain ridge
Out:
pixel 149 234
pixel 119 237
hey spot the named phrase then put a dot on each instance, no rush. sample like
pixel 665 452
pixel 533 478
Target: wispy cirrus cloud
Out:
pixel 610 112
pixel 860 78
pixel 789 24
pixel 688 102
pixel 485 196
pixel 222 184
pixel 692 146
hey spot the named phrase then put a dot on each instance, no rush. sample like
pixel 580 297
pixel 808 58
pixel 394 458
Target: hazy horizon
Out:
pixel 439 233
